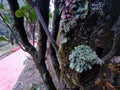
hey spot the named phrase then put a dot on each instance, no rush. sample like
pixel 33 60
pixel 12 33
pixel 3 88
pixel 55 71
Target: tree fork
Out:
pixel 55 29
pixel 31 49
pixel 50 37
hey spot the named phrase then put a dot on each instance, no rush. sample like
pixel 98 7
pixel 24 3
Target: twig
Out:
pixel 33 33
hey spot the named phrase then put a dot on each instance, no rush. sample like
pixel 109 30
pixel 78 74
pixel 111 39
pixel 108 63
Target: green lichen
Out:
pixel 63 39
pixel 83 6
pixel 82 58
pixel 82 10
pixel 66 27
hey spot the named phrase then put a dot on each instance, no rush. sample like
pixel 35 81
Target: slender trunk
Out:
pixel 38 57
pixel 55 29
pixel 44 9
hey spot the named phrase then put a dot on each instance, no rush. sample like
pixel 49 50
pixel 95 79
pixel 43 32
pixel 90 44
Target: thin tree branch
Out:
pixel 33 34
pixel 20 28
pixel 42 46
pixel 50 37
pixel 55 29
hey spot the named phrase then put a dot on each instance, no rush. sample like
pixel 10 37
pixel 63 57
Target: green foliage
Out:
pixel 32 16
pixel 27 4
pixel 57 11
pixel 28 12
pixel 2 38
pixel 19 13
pixel 22 11
pixel 6 19
pixel 1 6
pixel 50 15
pixel 81 58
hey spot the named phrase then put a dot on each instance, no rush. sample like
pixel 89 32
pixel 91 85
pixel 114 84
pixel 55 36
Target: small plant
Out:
pixel 2 38
pixel 82 58
pixel 33 87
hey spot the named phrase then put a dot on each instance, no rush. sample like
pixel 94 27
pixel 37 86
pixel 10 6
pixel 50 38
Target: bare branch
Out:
pixel 50 37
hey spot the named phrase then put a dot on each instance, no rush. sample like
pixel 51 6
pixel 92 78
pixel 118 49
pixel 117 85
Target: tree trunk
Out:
pixel 55 29
pixel 80 25
pixel 83 22
pixel 38 56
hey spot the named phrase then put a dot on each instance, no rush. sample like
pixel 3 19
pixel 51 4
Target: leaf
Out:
pixel 1 6
pixel 6 19
pixel 24 9
pixel 18 13
pixel 27 4
pixel 57 11
pixel 32 16
pixel 2 38
pixel 50 15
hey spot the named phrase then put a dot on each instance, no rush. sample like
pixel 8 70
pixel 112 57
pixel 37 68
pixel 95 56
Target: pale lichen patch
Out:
pixel 82 58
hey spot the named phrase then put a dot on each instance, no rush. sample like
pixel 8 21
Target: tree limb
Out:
pixel 55 29
pixel 20 27
pixel 50 37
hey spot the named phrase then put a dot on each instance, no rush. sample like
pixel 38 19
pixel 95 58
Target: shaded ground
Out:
pixel 29 78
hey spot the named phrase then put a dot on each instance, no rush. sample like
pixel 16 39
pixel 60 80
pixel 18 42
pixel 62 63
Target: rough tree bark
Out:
pixel 81 22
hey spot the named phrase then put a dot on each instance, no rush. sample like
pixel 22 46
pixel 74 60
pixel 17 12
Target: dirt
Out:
pixel 29 78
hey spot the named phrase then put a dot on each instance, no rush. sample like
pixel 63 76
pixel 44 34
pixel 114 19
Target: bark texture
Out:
pixel 81 25
pixel 55 29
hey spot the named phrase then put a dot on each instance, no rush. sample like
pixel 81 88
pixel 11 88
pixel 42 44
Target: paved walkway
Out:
pixel 10 69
